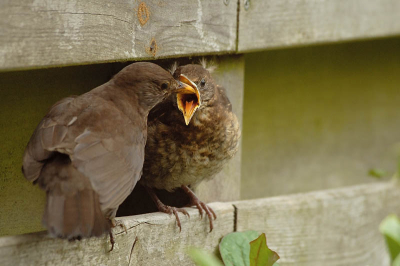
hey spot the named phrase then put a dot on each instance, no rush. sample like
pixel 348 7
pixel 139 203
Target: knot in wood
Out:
pixel 152 49
pixel 246 4
pixel 143 13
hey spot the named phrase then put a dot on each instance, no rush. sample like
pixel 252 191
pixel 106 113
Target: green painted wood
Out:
pixel 25 97
pixel 319 117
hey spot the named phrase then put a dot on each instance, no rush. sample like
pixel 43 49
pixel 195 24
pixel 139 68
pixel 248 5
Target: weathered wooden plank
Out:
pixel 226 185
pixel 45 33
pixel 275 23
pixel 152 239
pixel 332 227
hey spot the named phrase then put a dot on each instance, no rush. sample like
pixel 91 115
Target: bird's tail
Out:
pixel 72 206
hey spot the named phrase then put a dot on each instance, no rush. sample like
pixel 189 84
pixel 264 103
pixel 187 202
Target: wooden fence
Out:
pixel 330 227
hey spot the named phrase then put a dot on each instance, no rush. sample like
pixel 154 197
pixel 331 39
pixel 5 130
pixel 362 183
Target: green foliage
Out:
pixel 396 262
pixel 380 173
pixel 238 249
pixel 235 248
pixel 203 258
pixel 260 254
pixel 390 228
pixel 377 173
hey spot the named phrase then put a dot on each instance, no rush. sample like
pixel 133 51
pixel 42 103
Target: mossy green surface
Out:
pixel 25 98
pixel 319 117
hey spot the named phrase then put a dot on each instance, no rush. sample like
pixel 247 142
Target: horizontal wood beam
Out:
pixel 332 227
pixel 36 34
pixel 47 33
pixel 266 24
pixel 152 239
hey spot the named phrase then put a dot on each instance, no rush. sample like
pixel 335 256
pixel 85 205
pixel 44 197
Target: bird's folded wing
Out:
pixel 103 144
pixel 42 144
pixel 112 164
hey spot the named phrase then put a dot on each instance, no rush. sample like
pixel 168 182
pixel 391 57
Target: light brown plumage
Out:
pixel 181 154
pixel 87 153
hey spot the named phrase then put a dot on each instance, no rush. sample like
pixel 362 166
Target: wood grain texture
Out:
pixel 44 33
pixel 276 23
pixel 226 185
pixel 158 242
pixel 332 227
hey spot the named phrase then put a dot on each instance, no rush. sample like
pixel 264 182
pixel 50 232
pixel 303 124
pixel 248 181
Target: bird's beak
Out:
pixel 188 98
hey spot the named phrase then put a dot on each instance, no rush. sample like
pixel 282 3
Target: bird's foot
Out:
pixel 112 241
pixel 201 206
pixel 173 210
pixel 115 223
pixel 167 209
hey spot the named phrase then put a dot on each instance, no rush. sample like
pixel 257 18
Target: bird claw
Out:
pixel 174 210
pixel 112 241
pixel 115 223
pixel 167 209
pixel 201 206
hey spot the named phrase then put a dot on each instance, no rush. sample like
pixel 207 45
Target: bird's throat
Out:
pixel 187 104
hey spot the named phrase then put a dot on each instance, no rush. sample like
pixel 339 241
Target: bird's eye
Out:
pixel 164 86
pixel 203 82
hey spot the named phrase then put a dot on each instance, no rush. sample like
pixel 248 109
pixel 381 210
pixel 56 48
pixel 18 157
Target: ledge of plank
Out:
pixel 332 227
pixel 276 23
pixel 46 33
pixel 158 242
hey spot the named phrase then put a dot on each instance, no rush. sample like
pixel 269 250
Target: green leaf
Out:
pixel 235 248
pixel 377 173
pixel 390 229
pixel 396 261
pixel 260 254
pixel 203 258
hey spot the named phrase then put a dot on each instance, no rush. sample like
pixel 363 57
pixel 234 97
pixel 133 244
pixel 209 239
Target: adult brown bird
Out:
pixel 183 151
pixel 87 153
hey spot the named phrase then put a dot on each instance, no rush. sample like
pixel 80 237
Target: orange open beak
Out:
pixel 188 99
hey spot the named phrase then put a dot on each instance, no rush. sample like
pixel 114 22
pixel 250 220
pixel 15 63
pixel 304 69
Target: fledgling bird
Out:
pixel 183 151
pixel 87 153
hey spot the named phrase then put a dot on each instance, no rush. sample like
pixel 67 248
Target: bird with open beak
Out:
pixel 191 136
pixel 87 153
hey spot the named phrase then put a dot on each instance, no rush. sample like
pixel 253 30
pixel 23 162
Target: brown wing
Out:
pixel 102 143
pixel 41 147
